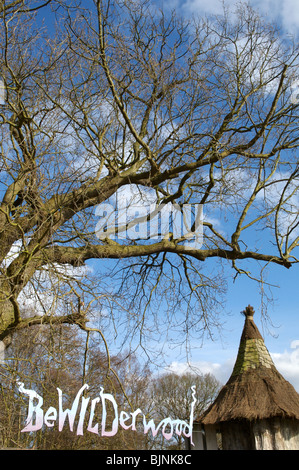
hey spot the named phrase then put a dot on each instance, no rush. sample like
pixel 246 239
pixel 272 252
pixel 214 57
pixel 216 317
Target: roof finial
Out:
pixel 248 312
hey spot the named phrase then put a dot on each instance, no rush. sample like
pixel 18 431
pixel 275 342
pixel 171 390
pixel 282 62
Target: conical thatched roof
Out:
pixel 255 390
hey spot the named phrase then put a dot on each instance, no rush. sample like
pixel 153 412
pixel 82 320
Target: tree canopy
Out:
pixel 120 104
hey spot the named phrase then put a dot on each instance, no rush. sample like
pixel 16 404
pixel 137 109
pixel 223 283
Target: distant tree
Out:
pixel 44 358
pixel 171 395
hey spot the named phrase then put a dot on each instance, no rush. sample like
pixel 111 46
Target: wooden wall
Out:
pixel 267 434
pixel 276 434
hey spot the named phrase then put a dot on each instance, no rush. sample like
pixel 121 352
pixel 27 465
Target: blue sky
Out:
pixel 281 331
pixel 283 12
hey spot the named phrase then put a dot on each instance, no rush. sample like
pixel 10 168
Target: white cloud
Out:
pixel 285 12
pixel 283 185
pixel 287 363
pixel 221 371
pixel 40 295
pixel 213 7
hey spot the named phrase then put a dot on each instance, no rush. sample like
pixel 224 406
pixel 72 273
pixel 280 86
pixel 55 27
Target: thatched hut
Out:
pixel 257 409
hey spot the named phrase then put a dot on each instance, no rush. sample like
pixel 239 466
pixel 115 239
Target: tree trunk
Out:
pixel 8 312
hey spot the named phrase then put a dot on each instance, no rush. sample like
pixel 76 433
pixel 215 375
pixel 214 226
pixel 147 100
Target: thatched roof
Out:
pixel 255 390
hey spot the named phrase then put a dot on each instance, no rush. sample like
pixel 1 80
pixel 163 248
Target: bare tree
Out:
pixel 21 6
pixel 45 358
pixel 172 395
pixel 118 98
